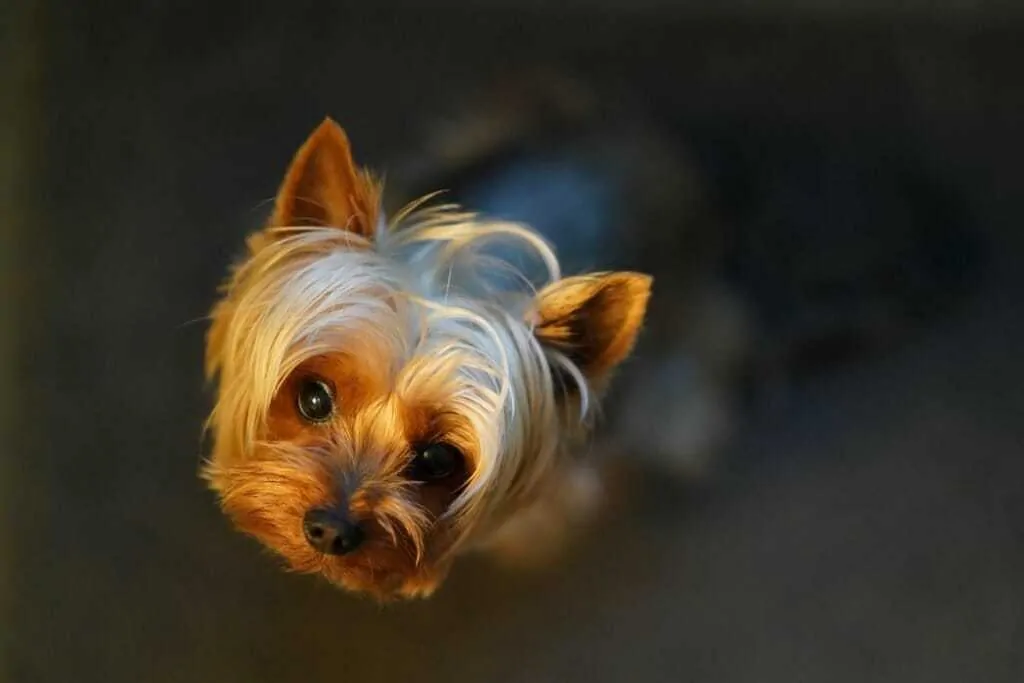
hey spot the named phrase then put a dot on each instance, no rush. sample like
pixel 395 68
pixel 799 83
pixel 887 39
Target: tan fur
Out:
pixel 398 323
pixel 324 187
pixel 594 319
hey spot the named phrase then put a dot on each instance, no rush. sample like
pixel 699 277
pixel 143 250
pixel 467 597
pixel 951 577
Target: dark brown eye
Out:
pixel 435 461
pixel 314 400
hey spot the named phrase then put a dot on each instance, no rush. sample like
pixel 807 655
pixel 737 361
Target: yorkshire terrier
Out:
pixel 393 393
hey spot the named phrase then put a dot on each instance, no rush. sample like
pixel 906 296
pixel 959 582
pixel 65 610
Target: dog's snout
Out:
pixel 332 532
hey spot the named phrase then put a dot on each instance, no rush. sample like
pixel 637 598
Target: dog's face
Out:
pixel 371 418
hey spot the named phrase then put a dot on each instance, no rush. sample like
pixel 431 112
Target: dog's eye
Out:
pixel 314 400
pixel 435 461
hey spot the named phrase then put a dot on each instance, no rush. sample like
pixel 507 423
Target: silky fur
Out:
pixel 424 337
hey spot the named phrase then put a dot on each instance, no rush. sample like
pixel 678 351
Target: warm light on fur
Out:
pixel 424 337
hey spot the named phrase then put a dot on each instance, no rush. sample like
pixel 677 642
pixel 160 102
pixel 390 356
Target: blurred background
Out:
pixel 827 193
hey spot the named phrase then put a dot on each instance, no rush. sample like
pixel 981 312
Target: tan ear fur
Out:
pixel 593 319
pixel 325 187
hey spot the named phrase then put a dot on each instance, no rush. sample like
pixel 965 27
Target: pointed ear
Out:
pixel 593 319
pixel 324 187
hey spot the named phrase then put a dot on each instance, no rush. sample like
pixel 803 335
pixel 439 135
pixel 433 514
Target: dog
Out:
pixel 394 393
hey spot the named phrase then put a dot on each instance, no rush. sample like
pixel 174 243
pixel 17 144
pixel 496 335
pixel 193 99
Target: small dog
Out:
pixel 393 394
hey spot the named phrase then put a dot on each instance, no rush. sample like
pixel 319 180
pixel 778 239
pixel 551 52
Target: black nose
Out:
pixel 331 532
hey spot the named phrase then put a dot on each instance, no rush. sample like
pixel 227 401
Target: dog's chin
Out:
pixel 383 582
pixel 380 570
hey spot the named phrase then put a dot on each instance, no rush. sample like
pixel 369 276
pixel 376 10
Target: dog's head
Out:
pixel 380 400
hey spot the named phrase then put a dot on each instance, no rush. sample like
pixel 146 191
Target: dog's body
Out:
pixel 612 188
pixel 392 394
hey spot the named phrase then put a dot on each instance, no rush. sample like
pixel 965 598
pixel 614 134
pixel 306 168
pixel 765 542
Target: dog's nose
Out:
pixel 331 532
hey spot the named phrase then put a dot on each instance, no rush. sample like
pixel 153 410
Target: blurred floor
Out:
pixel 869 529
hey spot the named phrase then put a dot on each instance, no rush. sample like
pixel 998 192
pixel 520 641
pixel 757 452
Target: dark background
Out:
pixel 867 529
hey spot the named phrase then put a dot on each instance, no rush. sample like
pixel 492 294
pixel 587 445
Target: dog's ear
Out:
pixel 593 319
pixel 325 187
